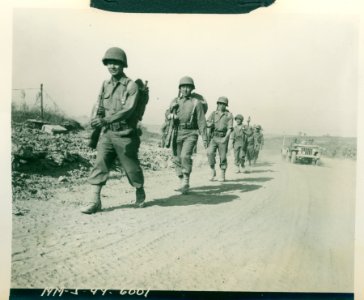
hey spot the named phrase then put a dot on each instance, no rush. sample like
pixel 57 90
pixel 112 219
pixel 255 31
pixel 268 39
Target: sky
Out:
pixel 289 72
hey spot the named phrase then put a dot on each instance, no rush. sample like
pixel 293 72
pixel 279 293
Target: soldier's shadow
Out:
pixel 257 179
pixel 205 195
pixel 263 164
pixel 261 171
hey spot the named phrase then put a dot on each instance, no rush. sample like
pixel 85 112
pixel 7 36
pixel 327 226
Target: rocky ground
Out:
pixel 41 160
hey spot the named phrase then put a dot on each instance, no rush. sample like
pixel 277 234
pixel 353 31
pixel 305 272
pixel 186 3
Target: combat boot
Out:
pixel 186 184
pixel 95 204
pixel 140 197
pixel 213 174
pixel 180 183
pixel 222 176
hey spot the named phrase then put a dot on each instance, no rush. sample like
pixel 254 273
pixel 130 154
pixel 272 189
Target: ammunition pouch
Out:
pixel 219 133
pixel 186 126
pixel 118 126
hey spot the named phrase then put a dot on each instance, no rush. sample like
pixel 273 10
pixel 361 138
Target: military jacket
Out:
pixel 238 136
pixel 258 138
pixel 220 121
pixel 250 141
pixel 190 111
pixel 118 98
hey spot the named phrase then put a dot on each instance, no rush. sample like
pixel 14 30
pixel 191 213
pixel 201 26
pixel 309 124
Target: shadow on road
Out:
pixel 263 164
pixel 261 171
pixel 207 195
pixel 258 179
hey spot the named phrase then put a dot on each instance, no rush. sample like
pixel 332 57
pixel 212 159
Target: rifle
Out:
pixel 168 140
pixel 170 130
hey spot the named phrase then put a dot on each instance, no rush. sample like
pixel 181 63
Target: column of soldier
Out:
pixel 121 105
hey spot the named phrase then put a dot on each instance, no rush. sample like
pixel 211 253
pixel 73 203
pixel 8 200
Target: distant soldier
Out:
pixel 238 137
pixel 188 113
pixel 118 117
pixel 250 151
pixel 258 142
pixel 220 125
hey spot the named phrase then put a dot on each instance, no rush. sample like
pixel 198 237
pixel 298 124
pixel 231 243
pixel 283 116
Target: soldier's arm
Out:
pixel 232 135
pixel 201 122
pixel 209 121
pixel 129 107
pixel 229 125
pixel 98 110
pixel 173 105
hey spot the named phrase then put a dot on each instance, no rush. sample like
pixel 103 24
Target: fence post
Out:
pixel 41 101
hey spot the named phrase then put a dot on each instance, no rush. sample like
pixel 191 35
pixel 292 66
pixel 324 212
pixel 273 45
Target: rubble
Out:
pixel 41 160
pixel 53 129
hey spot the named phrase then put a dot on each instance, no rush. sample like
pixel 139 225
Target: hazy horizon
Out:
pixel 289 73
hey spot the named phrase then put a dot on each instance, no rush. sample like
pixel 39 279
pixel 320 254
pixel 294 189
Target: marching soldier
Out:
pixel 117 117
pixel 188 113
pixel 238 137
pixel 258 142
pixel 250 147
pixel 220 125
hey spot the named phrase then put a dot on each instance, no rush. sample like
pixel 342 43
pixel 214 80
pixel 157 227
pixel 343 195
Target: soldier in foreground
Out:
pixel 188 117
pixel 117 117
pixel 238 137
pixel 220 126
pixel 258 142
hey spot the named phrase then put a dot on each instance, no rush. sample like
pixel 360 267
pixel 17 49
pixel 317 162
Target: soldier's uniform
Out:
pixel 219 123
pixel 117 117
pixel 119 137
pixel 238 137
pixel 191 123
pixel 258 142
pixel 250 151
pixel 188 111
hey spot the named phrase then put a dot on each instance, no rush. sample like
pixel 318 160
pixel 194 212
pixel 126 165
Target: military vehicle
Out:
pixel 303 151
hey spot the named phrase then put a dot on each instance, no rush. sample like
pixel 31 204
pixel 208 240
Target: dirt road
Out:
pixel 282 227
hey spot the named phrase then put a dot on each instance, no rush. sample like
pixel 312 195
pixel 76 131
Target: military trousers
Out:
pixel 113 145
pixel 256 153
pixel 185 144
pixel 218 144
pixel 239 155
pixel 250 153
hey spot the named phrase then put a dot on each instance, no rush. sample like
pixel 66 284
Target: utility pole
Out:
pixel 41 101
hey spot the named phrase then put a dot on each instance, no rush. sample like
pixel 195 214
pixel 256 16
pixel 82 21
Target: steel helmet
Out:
pixel 240 117
pixel 115 53
pixel 223 100
pixel 258 127
pixel 186 80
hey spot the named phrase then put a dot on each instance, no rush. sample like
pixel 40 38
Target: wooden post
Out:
pixel 41 101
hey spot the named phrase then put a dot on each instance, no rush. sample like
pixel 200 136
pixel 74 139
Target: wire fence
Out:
pixel 34 99
pixel 35 103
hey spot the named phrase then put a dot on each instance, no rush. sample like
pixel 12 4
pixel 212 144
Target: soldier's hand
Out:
pixel 97 122
pixel 174 106
pixel 205 144
pixel 101 111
